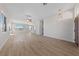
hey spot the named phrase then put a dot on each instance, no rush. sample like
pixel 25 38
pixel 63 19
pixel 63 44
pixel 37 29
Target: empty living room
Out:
pixel 39 29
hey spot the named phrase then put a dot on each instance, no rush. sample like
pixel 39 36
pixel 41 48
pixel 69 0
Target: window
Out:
pixel 2 23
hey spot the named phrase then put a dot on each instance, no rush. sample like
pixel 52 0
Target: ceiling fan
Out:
pixel 44 4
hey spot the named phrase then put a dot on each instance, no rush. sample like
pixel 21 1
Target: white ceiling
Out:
pixel 19 11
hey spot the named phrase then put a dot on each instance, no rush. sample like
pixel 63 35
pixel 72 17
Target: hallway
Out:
pixel 24 43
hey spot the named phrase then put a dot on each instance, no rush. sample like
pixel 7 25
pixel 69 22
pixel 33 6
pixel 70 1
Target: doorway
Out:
pixel 76 30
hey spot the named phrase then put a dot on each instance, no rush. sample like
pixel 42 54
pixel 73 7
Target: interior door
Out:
pixel 76 30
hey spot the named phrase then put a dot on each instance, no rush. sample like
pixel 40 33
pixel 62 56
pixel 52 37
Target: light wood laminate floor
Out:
pixel 29 44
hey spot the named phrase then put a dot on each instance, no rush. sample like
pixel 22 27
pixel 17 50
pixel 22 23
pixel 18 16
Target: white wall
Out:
pixel 36 23
pixel 60 28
